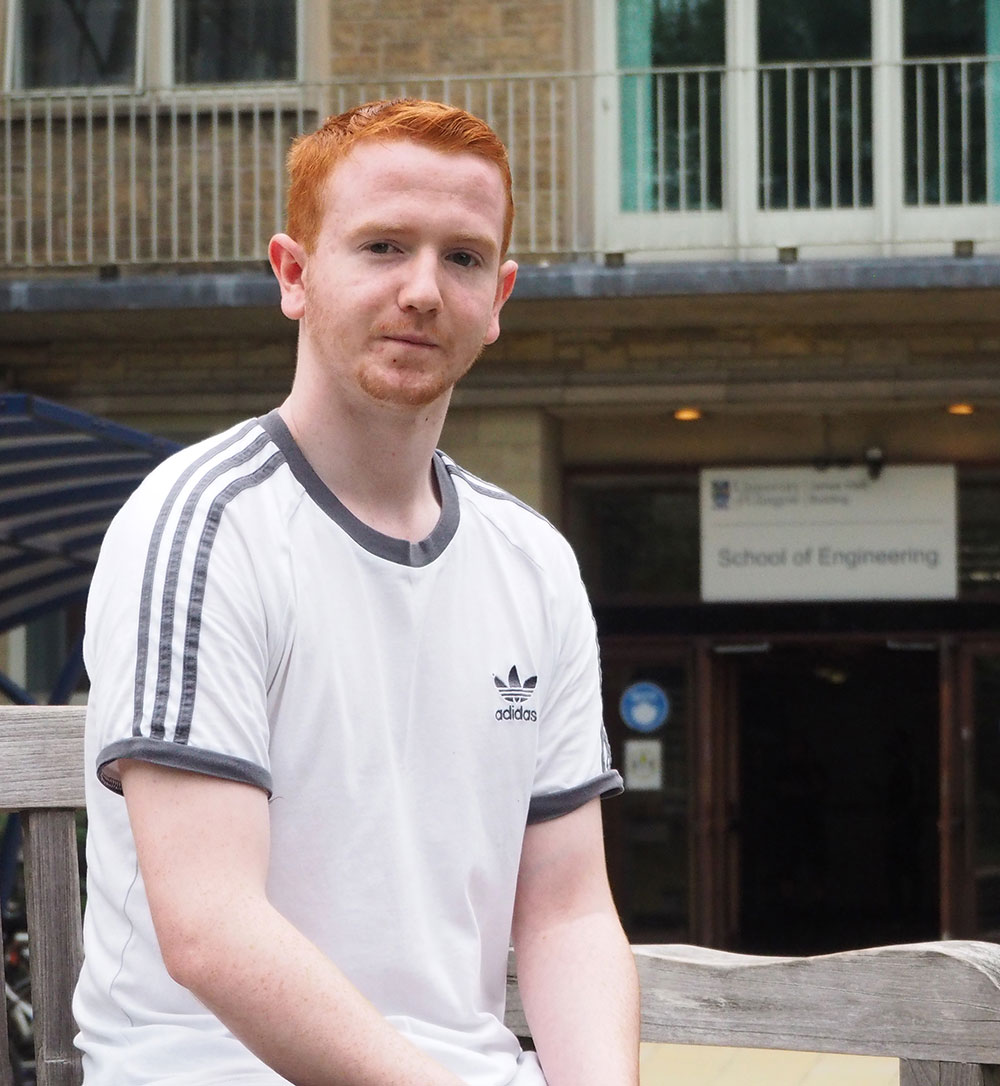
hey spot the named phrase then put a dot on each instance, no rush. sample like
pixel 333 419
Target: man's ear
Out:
pixel 288 261
pixel 505 284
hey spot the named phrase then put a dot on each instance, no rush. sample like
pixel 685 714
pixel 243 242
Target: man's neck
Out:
pixel 378 460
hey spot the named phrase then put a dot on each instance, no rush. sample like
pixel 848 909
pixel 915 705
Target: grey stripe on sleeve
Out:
pixel 170 586
pixel 553 804
pixel 192 634
pixel 158 751
pixel 145 604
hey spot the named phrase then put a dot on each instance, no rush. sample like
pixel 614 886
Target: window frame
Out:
pixel 162 59
pixel 13 73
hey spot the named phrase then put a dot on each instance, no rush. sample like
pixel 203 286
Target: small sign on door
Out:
pixel 643 765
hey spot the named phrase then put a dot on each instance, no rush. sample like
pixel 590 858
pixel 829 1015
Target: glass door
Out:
pixel 648 719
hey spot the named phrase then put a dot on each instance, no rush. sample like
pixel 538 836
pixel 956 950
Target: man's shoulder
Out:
pixel 220 458
pixel 480 492
pixel 514 519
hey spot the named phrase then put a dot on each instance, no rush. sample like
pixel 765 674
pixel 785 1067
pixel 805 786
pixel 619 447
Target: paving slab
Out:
pixel 693 1065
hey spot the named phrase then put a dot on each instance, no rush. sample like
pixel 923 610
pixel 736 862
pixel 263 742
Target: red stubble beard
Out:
pixel 392 378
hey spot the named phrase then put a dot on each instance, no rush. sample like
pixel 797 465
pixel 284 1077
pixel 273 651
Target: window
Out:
pixel 74 43
pixel 952 101
pixel 672 53
pixel 815 103
pixel 234 41
pixel 637 537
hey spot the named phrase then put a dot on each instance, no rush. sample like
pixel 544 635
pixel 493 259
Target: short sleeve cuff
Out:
pixel 553 804
pixel 178 756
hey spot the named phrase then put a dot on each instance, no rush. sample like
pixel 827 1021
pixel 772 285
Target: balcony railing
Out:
pixel 685 162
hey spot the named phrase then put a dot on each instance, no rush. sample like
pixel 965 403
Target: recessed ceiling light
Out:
pixel 960 409
pixel 687 414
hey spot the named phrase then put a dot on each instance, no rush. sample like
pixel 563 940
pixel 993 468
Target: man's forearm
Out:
pixel 296 1011
pixel 581 998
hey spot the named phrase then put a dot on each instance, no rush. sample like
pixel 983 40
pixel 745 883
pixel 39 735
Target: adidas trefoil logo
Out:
pixel 515 693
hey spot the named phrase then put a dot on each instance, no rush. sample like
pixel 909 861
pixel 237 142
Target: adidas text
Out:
pixel 517 712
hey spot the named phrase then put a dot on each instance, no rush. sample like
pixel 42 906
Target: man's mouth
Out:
pixel 412 339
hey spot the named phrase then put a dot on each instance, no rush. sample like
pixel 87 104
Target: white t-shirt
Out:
pixel 408 707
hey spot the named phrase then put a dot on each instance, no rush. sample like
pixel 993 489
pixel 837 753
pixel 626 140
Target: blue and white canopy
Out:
pixel 63 476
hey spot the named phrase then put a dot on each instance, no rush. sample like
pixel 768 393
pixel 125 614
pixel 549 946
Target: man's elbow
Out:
pixel 194 948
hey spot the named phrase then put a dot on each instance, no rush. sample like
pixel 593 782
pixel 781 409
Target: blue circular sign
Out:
pixel 644 706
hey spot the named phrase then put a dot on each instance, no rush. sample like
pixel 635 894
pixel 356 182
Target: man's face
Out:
pixel 405 285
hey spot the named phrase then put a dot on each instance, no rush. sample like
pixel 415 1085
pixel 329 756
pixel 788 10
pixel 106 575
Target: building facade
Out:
pixel 759 246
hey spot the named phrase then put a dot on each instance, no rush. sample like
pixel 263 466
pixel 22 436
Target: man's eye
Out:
pixel 380 247
pixel 464 259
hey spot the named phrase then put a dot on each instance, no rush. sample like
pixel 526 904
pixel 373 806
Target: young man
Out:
pixel 350 693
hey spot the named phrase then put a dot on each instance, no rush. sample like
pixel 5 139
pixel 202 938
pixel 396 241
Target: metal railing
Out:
pixel 815 135
pixel 949 107
pixel 196 175
pixel 672 136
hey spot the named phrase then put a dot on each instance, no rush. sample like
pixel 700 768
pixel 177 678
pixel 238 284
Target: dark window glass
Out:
pixel 234 41
pixel 944 28
pixel 789 30
pixel 639 539
pixel 979 534
pixel 76 43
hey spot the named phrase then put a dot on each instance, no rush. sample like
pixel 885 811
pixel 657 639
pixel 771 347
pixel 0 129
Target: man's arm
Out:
pixel 575 968
pixel 203 852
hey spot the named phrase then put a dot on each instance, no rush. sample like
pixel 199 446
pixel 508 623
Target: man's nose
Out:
pixel 421 289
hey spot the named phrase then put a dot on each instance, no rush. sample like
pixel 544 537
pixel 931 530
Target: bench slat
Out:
pixel 42 762
pixel 52 893
pixel 923 1001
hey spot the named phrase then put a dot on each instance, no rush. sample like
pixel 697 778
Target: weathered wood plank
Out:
pixel 933 1073
pixel 925 1001
pixel 42 756
pixel 52 893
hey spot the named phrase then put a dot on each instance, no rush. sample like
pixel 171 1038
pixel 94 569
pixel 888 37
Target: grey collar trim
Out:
pixel 400 551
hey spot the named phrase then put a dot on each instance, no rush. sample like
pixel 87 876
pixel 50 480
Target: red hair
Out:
pixel 314 156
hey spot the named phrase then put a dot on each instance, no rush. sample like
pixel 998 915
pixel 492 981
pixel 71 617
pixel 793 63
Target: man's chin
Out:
pixel 405 393
pixel 407 388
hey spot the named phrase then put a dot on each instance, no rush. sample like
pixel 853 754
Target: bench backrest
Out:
pixel 935 1006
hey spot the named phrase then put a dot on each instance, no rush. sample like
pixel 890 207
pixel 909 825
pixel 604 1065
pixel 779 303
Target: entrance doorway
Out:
pixel 836 826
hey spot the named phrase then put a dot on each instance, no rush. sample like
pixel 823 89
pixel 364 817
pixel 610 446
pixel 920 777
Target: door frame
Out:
pixel 958 819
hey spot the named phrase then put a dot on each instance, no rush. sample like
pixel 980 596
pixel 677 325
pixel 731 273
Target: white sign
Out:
pixel 643 765
pixel 805 534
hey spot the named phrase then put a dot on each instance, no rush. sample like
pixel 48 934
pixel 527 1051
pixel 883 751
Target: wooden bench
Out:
pixel 935 1006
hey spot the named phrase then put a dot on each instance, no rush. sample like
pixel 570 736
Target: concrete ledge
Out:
pixel 257 288
pixel 756 277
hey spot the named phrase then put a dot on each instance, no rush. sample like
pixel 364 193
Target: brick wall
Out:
pixel 384 38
